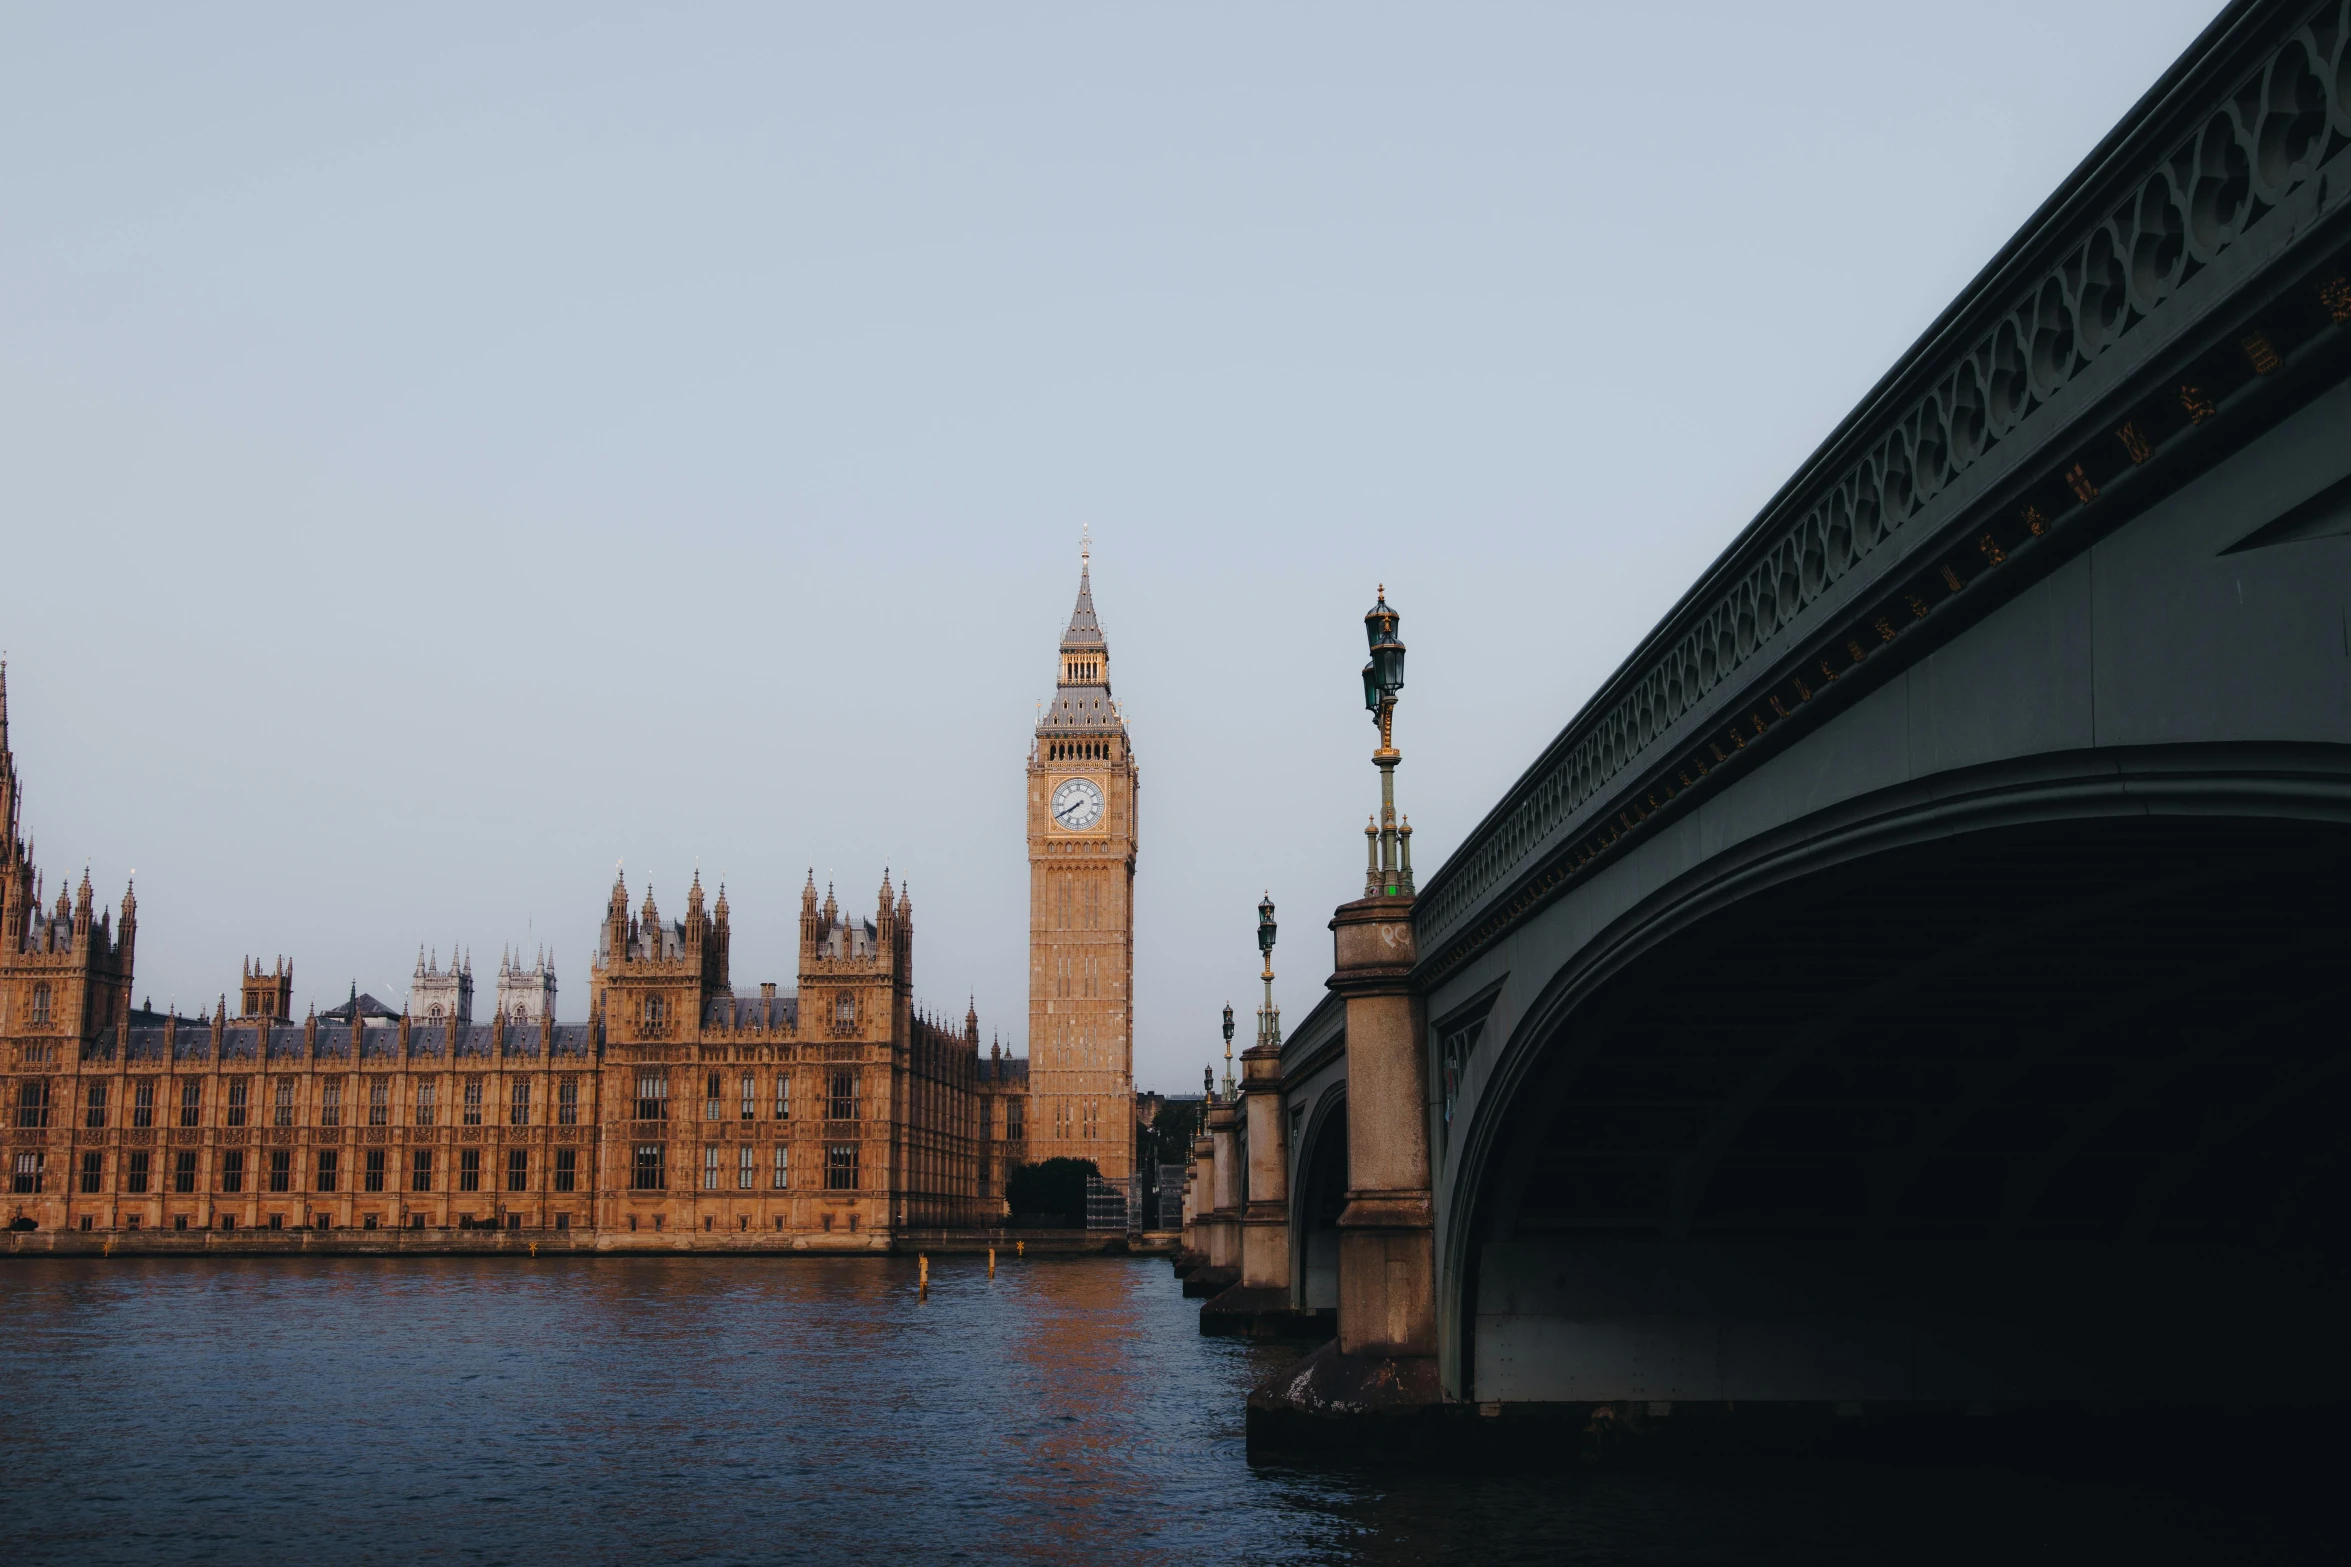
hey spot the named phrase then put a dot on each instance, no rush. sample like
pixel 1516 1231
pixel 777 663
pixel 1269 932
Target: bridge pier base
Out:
pixel 1379 1381
pixel 1262 1304
pixel 1220 1227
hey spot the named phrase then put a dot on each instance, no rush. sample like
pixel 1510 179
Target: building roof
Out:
pixel 359 1005
pixel 752 1012
pixel 1005 1071
pixel 1081 710
pixel 1084 630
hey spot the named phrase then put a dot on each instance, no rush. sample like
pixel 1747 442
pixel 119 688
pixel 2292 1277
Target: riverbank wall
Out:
pixel 571 1243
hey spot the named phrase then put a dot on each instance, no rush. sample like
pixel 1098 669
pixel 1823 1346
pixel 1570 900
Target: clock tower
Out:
pixel 1081 802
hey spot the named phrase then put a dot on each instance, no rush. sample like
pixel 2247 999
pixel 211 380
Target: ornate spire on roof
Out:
pixel 1084 630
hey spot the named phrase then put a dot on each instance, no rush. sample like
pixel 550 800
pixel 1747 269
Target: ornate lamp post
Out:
pixel 1387 845
pixel 1269 1017
pixel 1228 1050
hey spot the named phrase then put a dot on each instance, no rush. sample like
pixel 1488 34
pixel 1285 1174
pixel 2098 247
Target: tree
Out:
pixel 1054 1189
pixel 1168 1139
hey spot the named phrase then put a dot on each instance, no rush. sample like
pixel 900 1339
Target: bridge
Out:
pixel 1918 976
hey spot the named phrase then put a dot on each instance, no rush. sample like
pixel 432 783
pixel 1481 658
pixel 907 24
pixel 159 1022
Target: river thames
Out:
pixel 708 1410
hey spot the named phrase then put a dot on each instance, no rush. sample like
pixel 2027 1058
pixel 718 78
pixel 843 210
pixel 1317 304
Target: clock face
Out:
pixel 1077 805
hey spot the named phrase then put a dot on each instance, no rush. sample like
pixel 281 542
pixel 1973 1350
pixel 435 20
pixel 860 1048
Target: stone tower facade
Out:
pixel 65 982
pixel 1081 819
pixel 442 995
pixel 268 992
pixel 526 995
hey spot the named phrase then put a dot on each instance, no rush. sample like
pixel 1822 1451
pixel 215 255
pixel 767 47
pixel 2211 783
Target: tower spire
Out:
pixel 1085 630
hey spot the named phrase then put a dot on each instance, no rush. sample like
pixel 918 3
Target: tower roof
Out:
pixel 1084 630
pixel 1081 700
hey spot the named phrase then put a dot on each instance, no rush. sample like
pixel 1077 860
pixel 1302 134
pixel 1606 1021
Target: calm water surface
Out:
pixel 707 1410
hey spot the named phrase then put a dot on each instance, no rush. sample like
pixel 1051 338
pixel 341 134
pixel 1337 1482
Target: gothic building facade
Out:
pixel 683 1112
pixel 679 1114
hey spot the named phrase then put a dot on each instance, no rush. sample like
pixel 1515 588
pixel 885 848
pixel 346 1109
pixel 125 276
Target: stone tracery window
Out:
pixel 652 1096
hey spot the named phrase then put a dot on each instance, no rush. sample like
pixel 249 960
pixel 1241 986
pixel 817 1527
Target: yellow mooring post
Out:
pixel 991 1262
pixel 1020 1248
pixel 924 1260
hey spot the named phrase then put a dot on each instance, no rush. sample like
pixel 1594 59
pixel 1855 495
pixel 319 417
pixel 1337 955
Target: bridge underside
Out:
pixel 2041 1112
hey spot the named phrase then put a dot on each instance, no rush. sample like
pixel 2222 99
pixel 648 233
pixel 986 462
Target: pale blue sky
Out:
pixel 444 450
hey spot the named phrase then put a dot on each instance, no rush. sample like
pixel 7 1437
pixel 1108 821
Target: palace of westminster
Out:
pixel 682 1112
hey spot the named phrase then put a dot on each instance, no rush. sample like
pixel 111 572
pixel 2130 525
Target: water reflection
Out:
pixel 748 1410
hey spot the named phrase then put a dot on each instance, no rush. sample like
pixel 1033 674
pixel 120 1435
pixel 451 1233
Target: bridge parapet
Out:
pixel 2177 279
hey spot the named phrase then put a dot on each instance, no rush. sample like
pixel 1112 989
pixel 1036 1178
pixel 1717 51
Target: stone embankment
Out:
pixel 569 1243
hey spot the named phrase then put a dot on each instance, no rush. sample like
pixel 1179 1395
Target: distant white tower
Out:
pixel 438 995
pixel 526 995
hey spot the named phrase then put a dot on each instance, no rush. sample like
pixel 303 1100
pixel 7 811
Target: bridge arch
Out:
pixel 2004 1084
pixel 1321 1188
